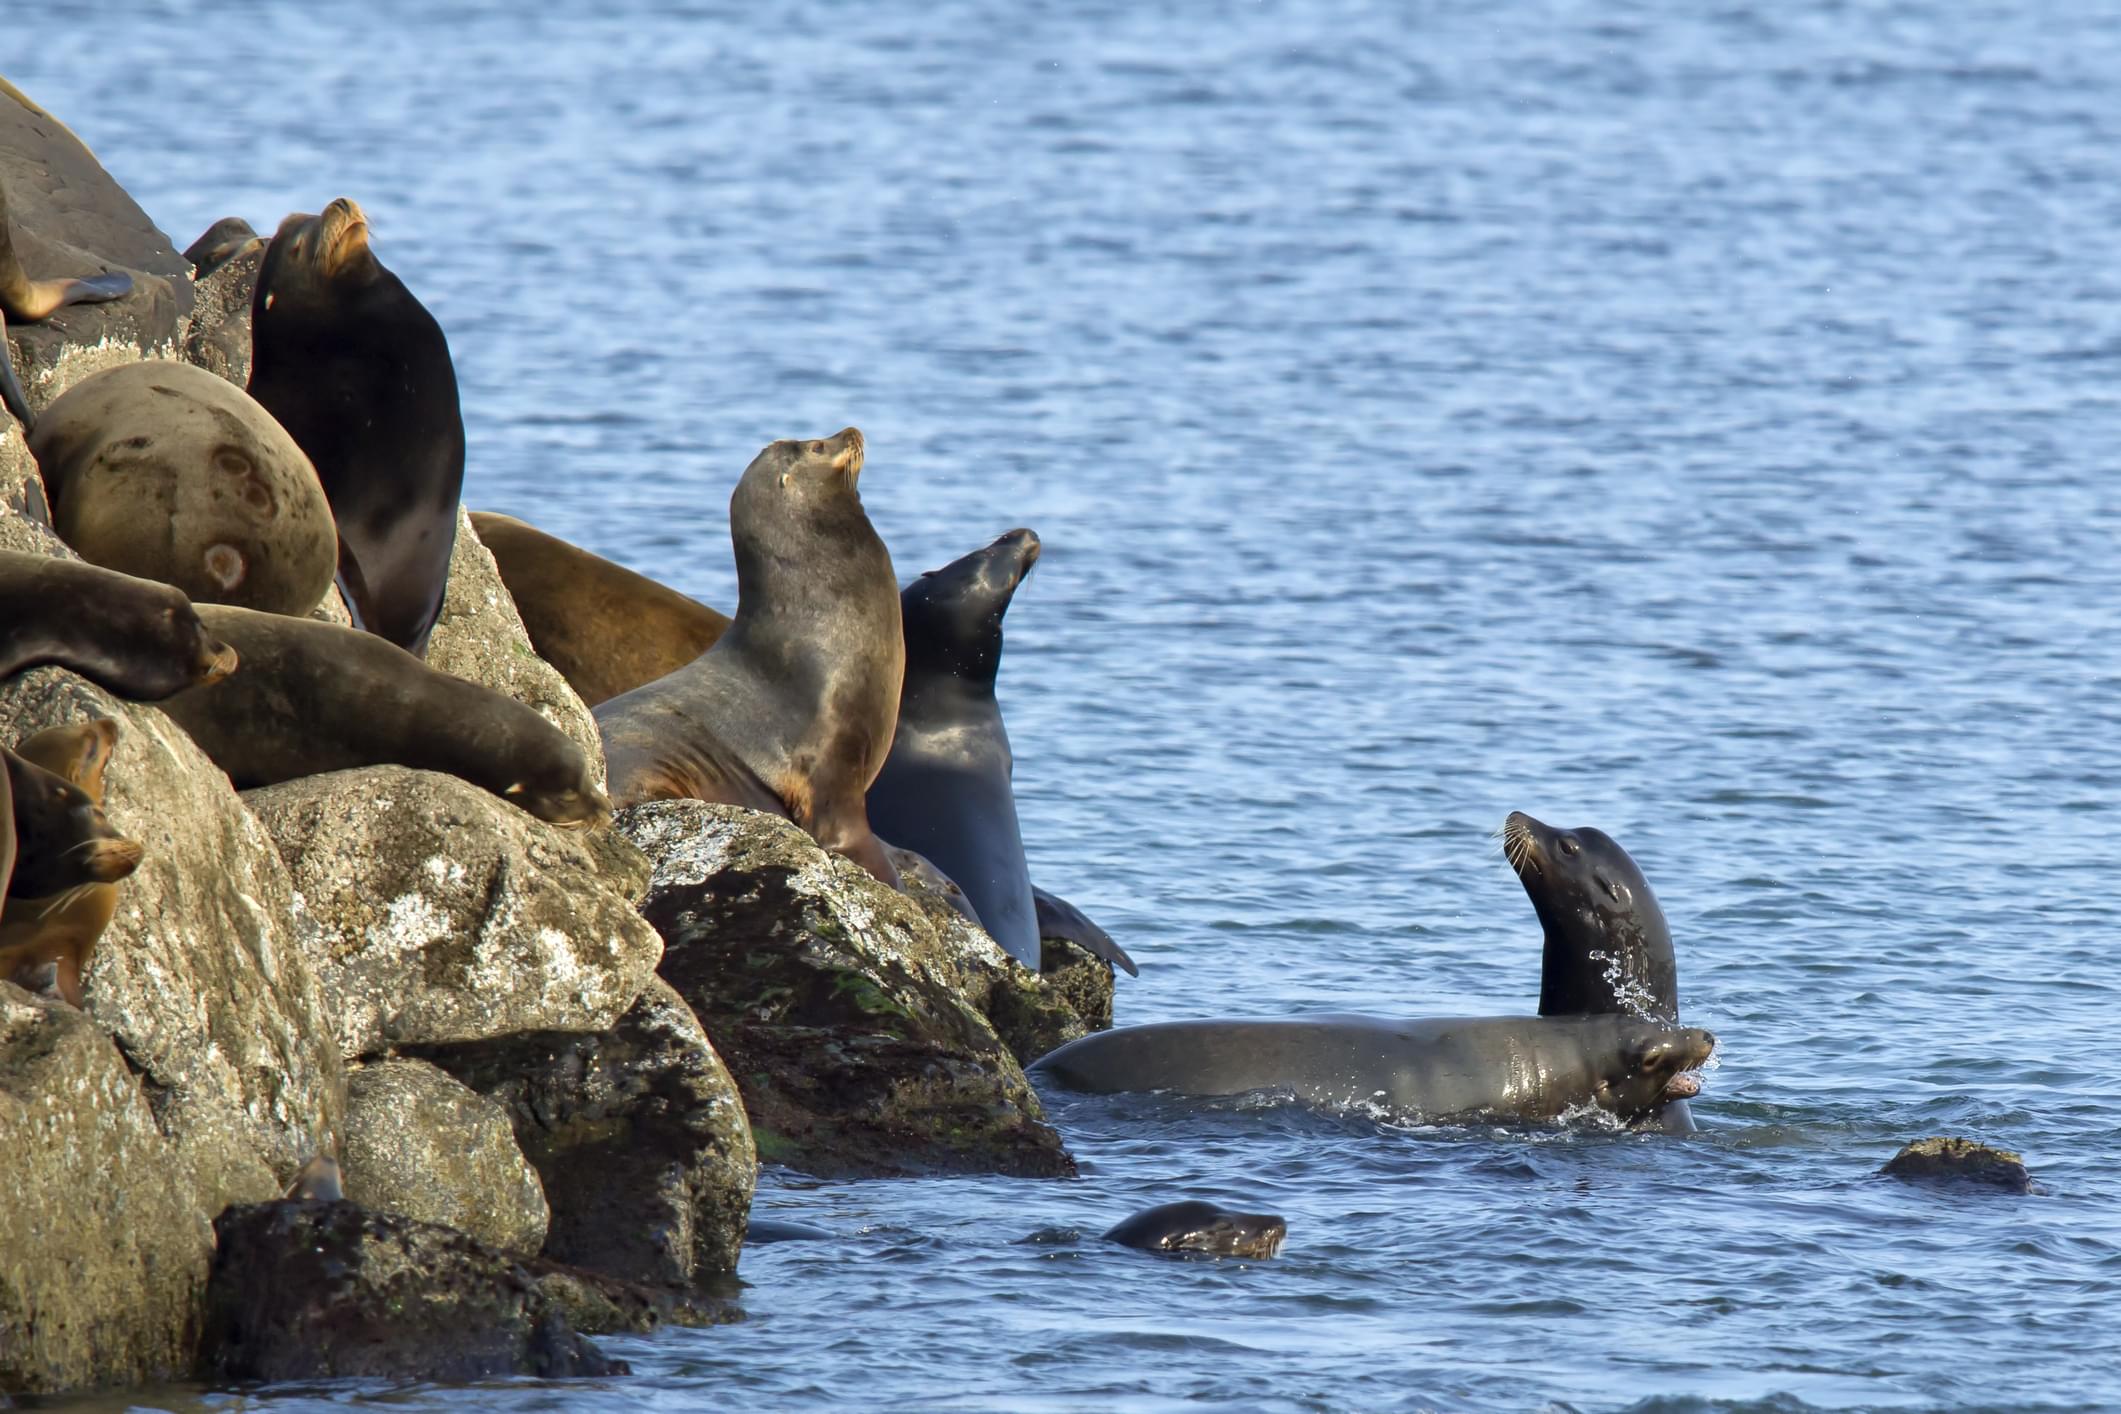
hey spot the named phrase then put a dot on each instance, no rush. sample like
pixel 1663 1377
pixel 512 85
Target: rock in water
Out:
pixel 1960 1161
pixel 421 1145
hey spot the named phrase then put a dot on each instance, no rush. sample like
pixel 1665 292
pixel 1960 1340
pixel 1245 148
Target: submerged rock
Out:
pixel 638 1133
pixel 1960 1161
pixel 852 1023
pixel 420 1144
pixel 318 1291
pixel 435 911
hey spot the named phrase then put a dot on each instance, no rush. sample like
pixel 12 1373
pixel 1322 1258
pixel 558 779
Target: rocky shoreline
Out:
pixel 550 1062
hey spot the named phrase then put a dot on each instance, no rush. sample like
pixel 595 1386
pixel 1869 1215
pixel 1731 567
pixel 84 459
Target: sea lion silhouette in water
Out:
pixel 134 637
pixel 63 843
pixel 1195 1226
pixel 792 710
pixel 62 928
pixel 31 300
pixel 358 372
pixel 945 789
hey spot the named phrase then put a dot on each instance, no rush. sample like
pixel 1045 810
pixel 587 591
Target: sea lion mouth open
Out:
pixel 1659 1066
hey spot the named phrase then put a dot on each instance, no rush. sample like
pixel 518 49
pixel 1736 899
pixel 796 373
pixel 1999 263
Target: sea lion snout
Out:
pixel 113 859
pixel 216 661
pixel 849 458
pixel 342 235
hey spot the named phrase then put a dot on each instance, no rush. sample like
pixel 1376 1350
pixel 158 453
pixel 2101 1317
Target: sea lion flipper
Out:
pixel 97 289
pixel 1058 918
pixel 11 395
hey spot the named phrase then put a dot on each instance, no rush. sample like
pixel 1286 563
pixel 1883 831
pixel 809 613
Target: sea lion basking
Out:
pixel 792 709
pixel 133 637
pixel 61 926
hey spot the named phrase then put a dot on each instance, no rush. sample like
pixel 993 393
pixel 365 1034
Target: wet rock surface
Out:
pixel 1962 1163
pixel 422 1145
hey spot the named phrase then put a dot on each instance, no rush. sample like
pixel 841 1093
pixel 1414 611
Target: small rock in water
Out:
pixel 1960 1161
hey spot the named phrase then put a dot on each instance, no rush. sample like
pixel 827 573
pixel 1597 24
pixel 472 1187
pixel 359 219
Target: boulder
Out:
pixel 1962 1162
pixel 851 1020
pixel 422 1145
pixel 1083 981
pixel 481 637
pixel 320 1291
pixel 638 1133
pixel 198 973
pixel 217 336
pixel 435 911
pixel 104 1247
pixel 597 1304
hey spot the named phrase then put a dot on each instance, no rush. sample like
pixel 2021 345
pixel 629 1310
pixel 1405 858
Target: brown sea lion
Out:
pixel 359 373
pixel 63 842
pixel 314 697
pixel 793 708
pixel 607 629
pixel 134 637
pixel 62 928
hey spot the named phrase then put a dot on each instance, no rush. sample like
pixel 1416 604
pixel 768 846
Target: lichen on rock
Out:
pixel 422 1145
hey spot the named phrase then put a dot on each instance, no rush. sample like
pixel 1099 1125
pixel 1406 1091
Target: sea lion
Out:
pixel 133 637
pixel 607 629
pixel 1058 918
pixel 31 300
pixel 792 709
pixel 315 697
pixel 358 372
pixel 1194 1226
pixel 220 243
pixel 1438 1070
pixel 62 928
pixel 164 471
pixel 1608 948
pixel 62 842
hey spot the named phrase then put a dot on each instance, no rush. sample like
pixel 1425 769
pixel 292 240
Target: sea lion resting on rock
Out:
pixel 31 300
pixel 358 372
pixel 133 637
pixel 1194 1226
pixel 1457 1068
pixel 607 629
pixel 315 697
pixel 792 710
pixel 65 849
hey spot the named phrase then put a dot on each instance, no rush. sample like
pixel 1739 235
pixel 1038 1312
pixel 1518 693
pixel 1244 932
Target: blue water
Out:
pixel 1697 421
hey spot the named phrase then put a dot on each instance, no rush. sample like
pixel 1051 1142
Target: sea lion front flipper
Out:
pixel 96 289
pixel 1058 918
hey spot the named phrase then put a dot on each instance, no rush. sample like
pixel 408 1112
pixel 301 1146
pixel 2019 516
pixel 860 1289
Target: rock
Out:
pixel 69 218
pixel 320 1291
pixel 198 973
pixel 217 337
pixel 1083 981
pixel 1961 1162
pixel 421 1145
pixel 597 1304
pixel 481 637
pixel 104 1248
pixel 435 911
pixel 850 1019
pixel 638 1133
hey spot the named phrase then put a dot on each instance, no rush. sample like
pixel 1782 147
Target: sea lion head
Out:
pixel 154 640
pixel 1194 1226
pixel 954 615
pixel 802 480
pixel 1653 1065
pixel 1608 947
pixel 78 752
pixel 800 534
pixel 63 838
pixel 313 261
pixel 562 792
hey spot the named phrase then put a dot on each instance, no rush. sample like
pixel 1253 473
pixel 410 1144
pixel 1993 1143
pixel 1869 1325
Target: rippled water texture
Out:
pixel 1692 420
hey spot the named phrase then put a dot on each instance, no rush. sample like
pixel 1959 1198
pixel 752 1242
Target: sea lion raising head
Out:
pixel 1608 947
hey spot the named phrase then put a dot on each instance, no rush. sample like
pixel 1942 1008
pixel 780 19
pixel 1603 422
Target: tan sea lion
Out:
pixel 63 843
pixel 134 637
pixel 62 928
pixel 793 708
pixel 607 629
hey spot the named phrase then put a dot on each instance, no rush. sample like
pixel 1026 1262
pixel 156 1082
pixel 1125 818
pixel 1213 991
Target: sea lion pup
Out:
pixel 1194 1226
pixel 62 842
pixel 31 300
pixel 358 372
pixel 315 697
pixel 1439 1070
pixel 945 789
pixel 607 629
pixel 62 928
pixel 792 709
pixel 134 637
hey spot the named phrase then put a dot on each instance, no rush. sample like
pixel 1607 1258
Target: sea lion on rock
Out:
pixel 62 842
pixel 134 637
pixel 31 300
pixel 945 789
pixel 62 928
pixel 1194 1226
pixel 792 709
pixel 358 372
pixel 315 697
pixel 607 629
pixel 220 243
pixel 1439 1070
pixel 164 471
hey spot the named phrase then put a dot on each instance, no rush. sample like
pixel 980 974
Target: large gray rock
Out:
pixel 639 1134
pixel 198 973
pixel 480 636
pixel 851 1016
pixel 436 911
pixel 217 336
pixel 422 1145
pixel 104 1246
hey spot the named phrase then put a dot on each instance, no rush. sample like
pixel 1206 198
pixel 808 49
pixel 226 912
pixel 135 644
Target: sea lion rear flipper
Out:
pixel 97 289
pixel 1058 918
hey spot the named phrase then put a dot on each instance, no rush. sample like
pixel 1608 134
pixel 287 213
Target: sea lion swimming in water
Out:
pixel 1195 1226
pixel 31 300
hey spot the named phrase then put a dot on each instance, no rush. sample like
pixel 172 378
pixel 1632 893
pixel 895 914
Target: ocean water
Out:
pixel 1697 421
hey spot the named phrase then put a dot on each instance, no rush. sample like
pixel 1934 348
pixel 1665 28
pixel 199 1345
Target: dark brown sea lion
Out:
pixel 31 300
pixel 792 710
pixel 607 629
pixel 1608 947
pixel 164 471
pixel 314 697
pixel 62 928
pixel 133 637
pixel 1194 1226
pixel 358 372
pixel 62 842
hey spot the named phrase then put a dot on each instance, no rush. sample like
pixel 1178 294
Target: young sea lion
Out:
pixel 607 629
pixel 63 844
pixel 62 928
pixel 316 697
pixel 134 637
pixel 358 372
pixel 31 300
pixel 792 709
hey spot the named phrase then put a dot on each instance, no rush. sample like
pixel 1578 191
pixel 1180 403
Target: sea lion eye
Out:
pixel 817 449
pixel 1568 844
